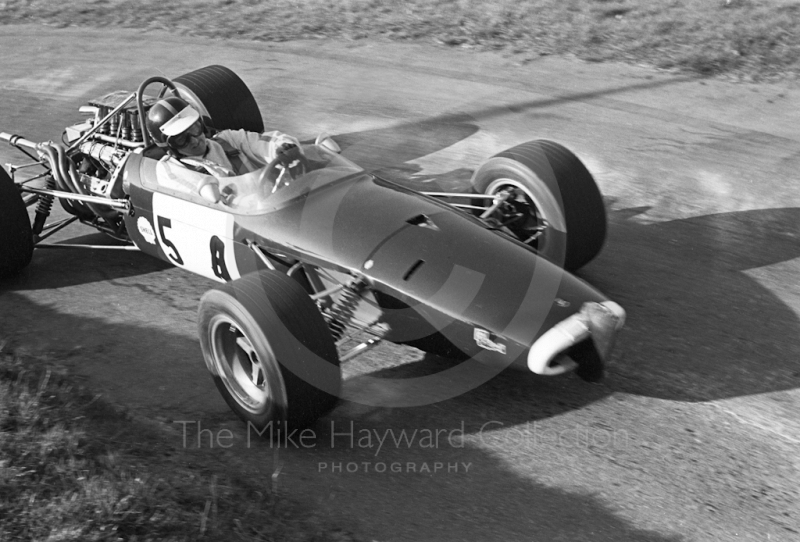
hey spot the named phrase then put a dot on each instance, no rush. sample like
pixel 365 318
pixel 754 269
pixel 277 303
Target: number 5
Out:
pixel 164 222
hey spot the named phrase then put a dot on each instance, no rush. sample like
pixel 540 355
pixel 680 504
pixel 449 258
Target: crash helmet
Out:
pixel 170 117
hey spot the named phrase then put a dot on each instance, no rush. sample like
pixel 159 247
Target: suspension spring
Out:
pixel 43 207
pixel 344 307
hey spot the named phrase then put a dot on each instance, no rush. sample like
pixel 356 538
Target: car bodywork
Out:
pixel 379 260
pixel 435 271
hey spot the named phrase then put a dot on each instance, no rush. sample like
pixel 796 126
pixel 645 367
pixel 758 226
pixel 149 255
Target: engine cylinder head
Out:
pixel 126 125
pixel 136 127
pixel 114 125
pixel 102 111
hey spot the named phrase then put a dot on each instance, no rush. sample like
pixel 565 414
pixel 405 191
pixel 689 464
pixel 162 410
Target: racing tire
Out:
pixel 16 236
pixel 562 192
pixel 221 96
pixel 270 352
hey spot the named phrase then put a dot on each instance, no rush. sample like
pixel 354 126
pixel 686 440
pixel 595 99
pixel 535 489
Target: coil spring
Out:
pixel 343 308
pixel 43 207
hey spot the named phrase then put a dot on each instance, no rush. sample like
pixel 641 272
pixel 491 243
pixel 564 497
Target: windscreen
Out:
pixel 259 190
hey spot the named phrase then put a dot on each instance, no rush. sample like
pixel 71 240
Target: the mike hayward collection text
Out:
pixel 385 440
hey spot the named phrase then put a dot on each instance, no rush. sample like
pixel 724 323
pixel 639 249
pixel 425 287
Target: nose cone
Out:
pixel 586 336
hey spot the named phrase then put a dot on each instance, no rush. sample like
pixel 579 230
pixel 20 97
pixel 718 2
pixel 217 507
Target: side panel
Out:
pixel 195 237
pixel 140 226
pixel 185 233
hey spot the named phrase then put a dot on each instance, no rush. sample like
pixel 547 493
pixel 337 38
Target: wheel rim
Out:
pixel 546 213
pixel 239 365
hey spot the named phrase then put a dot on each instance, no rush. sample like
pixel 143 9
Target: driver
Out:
pixel 178 127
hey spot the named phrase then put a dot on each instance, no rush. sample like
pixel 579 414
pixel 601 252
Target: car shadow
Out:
pixel 393 147
pixel 62 267
pixel 707 301
pixel 156 371
pixel 387 150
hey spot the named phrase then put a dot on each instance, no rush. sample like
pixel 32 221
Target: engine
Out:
pixel 104 140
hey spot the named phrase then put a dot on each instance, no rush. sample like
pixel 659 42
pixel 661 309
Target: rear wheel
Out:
pixel 555 205
pixel 16 237
pixel 269 351
pixel 221 96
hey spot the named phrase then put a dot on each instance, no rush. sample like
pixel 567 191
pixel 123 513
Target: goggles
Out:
pixel 182 140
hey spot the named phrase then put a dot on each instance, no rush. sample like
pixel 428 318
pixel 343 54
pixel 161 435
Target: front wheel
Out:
pixel 269 351
pixel 16 236
pixel 554 206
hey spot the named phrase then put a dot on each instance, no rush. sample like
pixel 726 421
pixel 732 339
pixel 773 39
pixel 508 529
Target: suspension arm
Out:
pixel 121 204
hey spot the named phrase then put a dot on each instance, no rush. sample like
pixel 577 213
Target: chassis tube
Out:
pixel 96 200
pixel 64 173
pixel 97 126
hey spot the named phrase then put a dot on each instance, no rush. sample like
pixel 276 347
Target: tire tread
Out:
pixel 230 103
pixel 271 299
pixel 584 210
pixel 16 236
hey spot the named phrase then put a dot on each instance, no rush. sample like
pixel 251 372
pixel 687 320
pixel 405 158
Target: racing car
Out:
pixel 319 260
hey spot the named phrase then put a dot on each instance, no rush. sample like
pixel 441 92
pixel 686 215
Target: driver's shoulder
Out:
pixel 233 137
pixel 217 144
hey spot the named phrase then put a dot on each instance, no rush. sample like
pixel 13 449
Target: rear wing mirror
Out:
pixel 324 140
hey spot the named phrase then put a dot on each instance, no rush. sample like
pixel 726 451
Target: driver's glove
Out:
pixel 289 153
pixel 286 147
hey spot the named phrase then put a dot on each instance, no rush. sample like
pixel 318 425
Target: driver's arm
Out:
pixel 258 147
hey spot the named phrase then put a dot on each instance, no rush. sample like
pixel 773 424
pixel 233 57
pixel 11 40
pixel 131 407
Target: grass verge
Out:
pixel 749 39
pixel 73 468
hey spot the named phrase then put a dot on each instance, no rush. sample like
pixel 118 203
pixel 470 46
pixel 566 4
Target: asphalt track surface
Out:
pixel 693 436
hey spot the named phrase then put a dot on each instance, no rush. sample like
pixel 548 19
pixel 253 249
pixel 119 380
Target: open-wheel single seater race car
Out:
pixel 321 260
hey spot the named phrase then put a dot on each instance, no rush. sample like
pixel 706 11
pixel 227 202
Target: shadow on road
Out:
pixel 158 373
pixel 58 268
pixel 449 488
pixel 707 303
pixel 392 147
pixel 701 326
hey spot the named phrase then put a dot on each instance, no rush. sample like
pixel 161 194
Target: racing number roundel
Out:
pixel 195 237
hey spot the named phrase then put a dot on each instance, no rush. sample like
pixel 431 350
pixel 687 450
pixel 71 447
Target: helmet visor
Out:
pixel 181 122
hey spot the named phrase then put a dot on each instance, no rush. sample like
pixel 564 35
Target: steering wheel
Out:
pixel 283 162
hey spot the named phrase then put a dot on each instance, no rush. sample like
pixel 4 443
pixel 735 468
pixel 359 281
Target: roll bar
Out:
pixel 140 103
